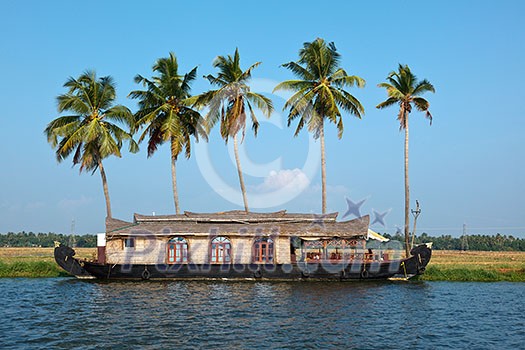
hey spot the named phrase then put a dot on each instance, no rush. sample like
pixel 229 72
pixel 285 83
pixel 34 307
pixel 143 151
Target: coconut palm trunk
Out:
pixel 106 190
pixel 239 171
pixel 323 169
pixel 174 180
pixel 404 89
pixel 407 190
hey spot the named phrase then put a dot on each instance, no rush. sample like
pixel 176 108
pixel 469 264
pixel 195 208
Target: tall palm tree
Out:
pixel 231 102
pixel 320 94
pixel 165 111
pixel 91 131
pixel 404 89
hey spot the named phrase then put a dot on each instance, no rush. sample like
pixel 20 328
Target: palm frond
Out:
pixel 299 102
pixel 389 102
pixel 105 93
pixel 263 103
pixel 300 124
pixel 73 103
pixel 247 74
pixel 326 102
pixel 404 89
pixel 255 122
pixel 120 113
pixel 394 80
pixel 299 70
pixel 165 103
pixel 69 142
pixel 422 87
pixel 59 126
pixel 348 80
pixel 188 78
pixel 294 85
pixel 349 103
pixel 107 145
pixel 422 105
pixel 90 134
pixel 229 102
pixel 219 81
pixel 319 91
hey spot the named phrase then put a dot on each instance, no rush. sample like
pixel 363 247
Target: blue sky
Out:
pixel 468 167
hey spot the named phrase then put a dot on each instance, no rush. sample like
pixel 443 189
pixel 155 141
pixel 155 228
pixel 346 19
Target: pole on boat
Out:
pixel 416 215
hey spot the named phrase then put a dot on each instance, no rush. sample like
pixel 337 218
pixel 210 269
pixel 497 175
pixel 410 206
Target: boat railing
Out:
pixel 361 257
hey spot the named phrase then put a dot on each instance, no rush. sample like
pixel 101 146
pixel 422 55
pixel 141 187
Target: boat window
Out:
pixel 263 250
pixel 220 250
pixel 129 243
pixel 177 250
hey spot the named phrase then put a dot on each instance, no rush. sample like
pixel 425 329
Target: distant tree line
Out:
pixel 498 242
pixel 444 242
pixel 30 239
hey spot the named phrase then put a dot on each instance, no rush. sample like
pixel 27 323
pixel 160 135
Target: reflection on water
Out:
pixel 67 313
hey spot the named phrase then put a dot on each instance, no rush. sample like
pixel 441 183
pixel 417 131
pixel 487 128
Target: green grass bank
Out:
pixel 436 273
pixel 475 266
pixel 31 269
pixel 34 262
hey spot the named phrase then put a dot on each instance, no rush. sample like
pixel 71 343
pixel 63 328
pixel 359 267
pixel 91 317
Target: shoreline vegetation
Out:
pixel 475 266
pixel 474 242
pixel 445 265
pixel 35 262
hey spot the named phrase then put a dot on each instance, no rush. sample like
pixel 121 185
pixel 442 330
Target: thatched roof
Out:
pixel 240 223
pixel 236 216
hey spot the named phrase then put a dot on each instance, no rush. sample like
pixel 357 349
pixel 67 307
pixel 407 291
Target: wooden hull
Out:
pixel 357 270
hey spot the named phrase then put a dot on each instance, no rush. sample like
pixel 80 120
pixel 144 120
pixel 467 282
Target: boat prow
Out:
pixel 64 257
pixel 416 264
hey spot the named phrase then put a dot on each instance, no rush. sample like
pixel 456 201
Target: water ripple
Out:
pixel 72 314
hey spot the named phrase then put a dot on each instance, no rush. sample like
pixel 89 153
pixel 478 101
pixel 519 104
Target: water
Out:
pixel 73 314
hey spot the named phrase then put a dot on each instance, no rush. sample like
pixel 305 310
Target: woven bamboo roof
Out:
pixel 240 223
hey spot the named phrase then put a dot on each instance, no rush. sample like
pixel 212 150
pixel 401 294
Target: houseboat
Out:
pixel 241 245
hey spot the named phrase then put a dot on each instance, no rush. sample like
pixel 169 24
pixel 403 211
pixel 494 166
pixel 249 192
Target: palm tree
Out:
pixel 230 102
pixel 166 113
pixel 404 89
pixel 91 131
pixel 320 94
